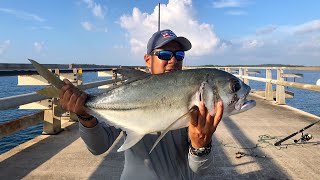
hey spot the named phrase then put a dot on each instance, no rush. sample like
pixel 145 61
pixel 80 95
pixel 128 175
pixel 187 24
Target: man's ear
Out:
pixel 147 59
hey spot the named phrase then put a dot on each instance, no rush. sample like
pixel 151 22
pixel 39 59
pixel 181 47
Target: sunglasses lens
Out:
pixel 165 55
pixel 179 55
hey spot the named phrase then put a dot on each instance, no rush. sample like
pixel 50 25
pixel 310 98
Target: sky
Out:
pixel 116 32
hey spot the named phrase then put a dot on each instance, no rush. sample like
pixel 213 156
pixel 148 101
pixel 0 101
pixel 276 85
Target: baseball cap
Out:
pixel 163 37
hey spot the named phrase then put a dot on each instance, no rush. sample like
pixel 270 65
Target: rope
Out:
pixel 263 142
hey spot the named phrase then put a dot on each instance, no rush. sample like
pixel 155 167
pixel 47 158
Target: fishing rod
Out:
pixel 305 137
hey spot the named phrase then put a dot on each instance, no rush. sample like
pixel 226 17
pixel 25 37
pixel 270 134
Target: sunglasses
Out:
pixel 167 55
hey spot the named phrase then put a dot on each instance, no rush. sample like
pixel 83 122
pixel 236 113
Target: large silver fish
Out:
pixel 163 102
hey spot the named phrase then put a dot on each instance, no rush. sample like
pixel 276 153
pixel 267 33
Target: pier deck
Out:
pixel 64 156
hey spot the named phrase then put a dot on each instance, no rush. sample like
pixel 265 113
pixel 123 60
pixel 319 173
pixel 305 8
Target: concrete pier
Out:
pixel 250 134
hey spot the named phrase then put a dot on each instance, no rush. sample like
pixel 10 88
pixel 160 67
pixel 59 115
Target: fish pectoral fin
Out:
pixel 207 95
pixel 163 133
pixel 49 91
pixel 131 139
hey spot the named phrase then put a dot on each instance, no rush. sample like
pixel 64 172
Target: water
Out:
pixel 303 99
pixel 9 88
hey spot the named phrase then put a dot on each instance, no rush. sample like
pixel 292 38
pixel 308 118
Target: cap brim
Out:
pixel 184 42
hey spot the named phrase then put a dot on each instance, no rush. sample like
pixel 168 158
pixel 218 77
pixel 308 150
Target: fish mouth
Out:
pixel 243 104
pixel 248 104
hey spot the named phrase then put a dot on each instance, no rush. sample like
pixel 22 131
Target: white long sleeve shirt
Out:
pixel 169 160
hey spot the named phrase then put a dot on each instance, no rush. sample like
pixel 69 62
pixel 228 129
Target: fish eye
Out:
pixel 235 85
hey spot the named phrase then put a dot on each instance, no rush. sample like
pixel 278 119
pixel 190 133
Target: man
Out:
pixel 182 153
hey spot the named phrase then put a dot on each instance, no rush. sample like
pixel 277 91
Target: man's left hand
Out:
pixel 202 125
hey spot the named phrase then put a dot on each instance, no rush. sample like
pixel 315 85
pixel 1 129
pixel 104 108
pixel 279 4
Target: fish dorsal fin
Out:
pixel 131 139
pixel 163 133
pixel 206 94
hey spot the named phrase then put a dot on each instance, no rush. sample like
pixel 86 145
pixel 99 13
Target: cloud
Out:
pixel 266 30
pixel 229 3
pixel 22 15
pixel 38 46
pixel 87 26
pixel 177 15
pixel 4 46
pixel 90 27
pixel 252 44
pixel 223 46
pixel 273 44
pixel 308 27
pixel 96 8
pixel 97 11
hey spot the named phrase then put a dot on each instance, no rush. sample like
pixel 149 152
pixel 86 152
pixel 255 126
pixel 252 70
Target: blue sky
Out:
pixel 112 32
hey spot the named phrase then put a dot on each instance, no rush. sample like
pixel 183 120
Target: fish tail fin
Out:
pixel 131 139
pixel 49 91
pixel 46 74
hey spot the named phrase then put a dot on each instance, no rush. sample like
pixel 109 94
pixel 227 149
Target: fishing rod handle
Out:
pixel 284 139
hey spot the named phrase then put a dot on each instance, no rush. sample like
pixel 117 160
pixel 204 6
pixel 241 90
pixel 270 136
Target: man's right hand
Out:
pixel 72 99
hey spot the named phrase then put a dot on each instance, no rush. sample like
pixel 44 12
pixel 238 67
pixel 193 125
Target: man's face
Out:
pixel 158 66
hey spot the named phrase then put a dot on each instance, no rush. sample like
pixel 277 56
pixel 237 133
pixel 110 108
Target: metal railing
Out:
pixel 51 114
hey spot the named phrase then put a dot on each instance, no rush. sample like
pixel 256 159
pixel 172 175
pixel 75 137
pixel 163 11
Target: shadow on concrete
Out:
pixel 224 169
pixel 221 169
pixel 25 161
pixel 111 163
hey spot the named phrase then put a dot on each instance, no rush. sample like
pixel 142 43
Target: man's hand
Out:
pixel 203 125
pixel 72 99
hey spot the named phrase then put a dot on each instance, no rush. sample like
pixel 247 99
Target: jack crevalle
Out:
pixel 162 102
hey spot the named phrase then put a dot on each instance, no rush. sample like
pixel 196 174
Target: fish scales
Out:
pixel 163 102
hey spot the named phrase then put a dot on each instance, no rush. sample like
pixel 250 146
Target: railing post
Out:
pixel 52 119
pixel 52 116
pixel 114 76
pixel 280 94
pixel 240 73
pixel 246 81
pixel 79 76
pixel 269 90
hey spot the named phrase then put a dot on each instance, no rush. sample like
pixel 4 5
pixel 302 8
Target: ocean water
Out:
pixel 9 88
pixel 305 100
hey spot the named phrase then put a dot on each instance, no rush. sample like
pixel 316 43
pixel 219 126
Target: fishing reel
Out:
pixel 304 138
